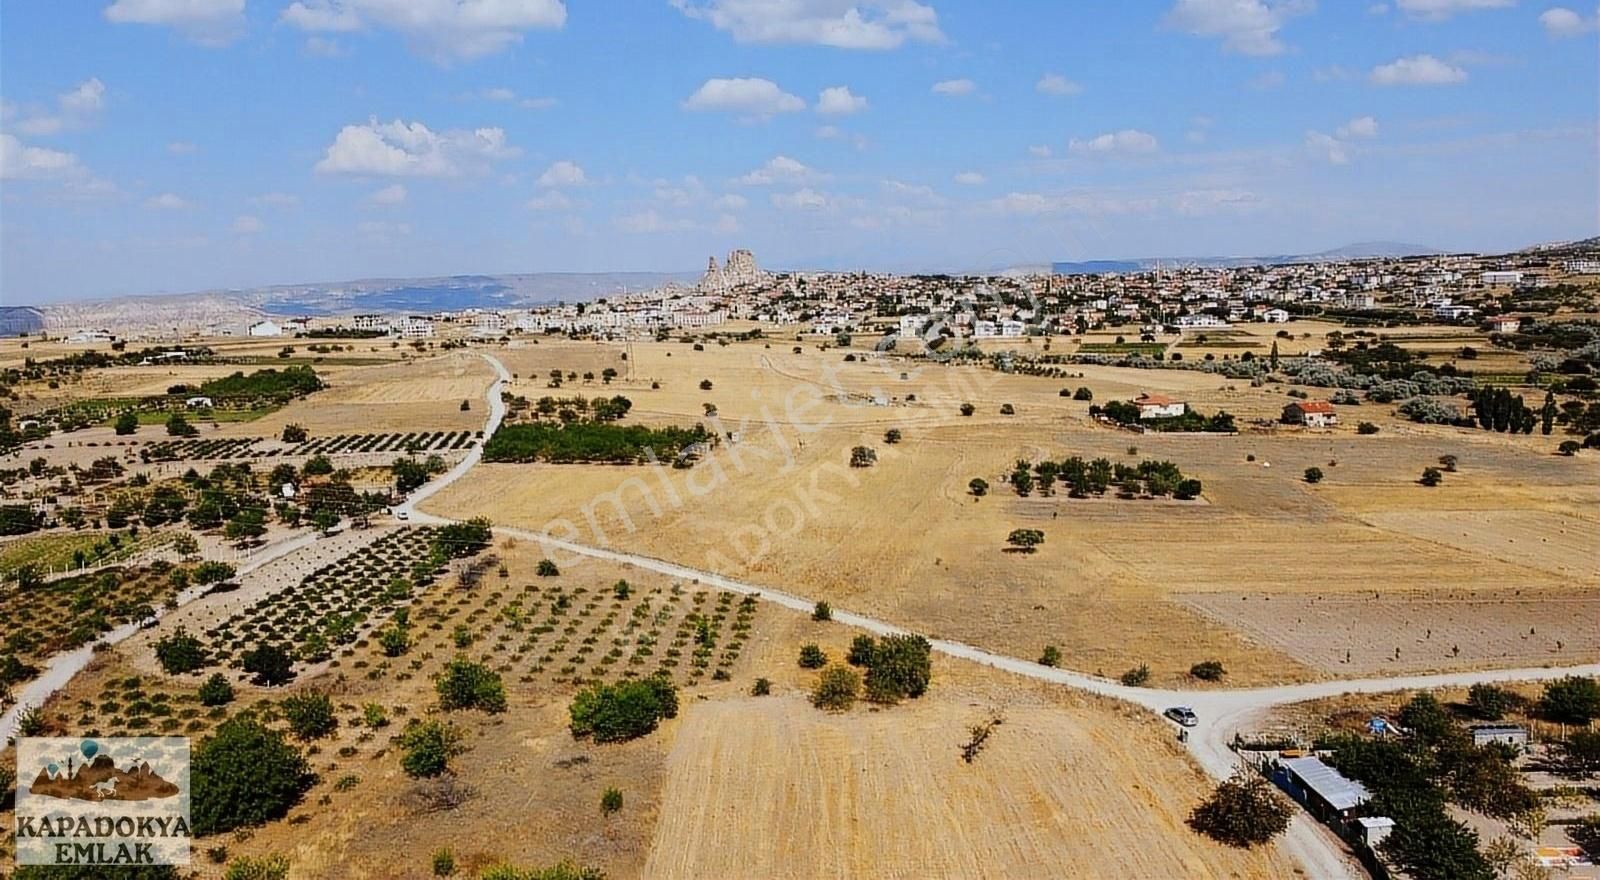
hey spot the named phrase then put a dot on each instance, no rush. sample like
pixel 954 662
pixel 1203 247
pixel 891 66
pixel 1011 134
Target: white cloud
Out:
pixel 731 202
pixel 912 191
pixel 439 29
pixel 726 224
pixel 955 88
pixel 1439 10
pixel 779 169
pixel 835 133
pixel 842 24
pixel 1040 151
pixel 806 199
pixel 970 178
pixel 838 101
pixel 1056 84
pixel 244 224
pixel 393 194
pixel 75 109
pixel 1417 70
pixel 1249 27
pixel 563 173
pixel 167 202
pixel 1328 148
pixel 402 149
pixel 508 96
pixel 1032 204
pixel 182 148
pixel 1560 21
pixel 550 200
pixel 751 97
pixel 324 47
pixel 21 162
pixel 207 22
pixel 1360 127
pixel 651 221
pixel 1127 142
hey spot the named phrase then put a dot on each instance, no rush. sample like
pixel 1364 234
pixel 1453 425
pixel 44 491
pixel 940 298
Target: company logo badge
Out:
pixel 103 801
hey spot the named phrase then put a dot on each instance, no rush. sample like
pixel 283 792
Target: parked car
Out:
pixel 1183 715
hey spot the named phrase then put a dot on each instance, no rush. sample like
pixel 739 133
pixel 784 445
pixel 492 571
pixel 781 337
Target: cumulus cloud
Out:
pixel 563 173
pixel 1040 151
pixel 411 149
pixel 970 178
pixel 731 202
pixel 779 169
pixel 1360 127
pixel 504 95
pixel 393 194
pixel 806 199
pixel 955 88
pixel 1439 10
pixel 651 221
pixel 1417 70
pixel 21 162
pixel 74 109
pixel 245 224
pixel 443 30
pixel 1056 84
pixel 842 24
pixel 838 101
pixel 207 22
pixel 1249 27
pixel 167 202
pixel 1560 21
pixel 750 97
pixel 1328 148
pixel 1128 142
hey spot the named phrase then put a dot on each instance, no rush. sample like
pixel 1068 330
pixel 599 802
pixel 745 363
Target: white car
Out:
pixel 1183 715
pixel 402 515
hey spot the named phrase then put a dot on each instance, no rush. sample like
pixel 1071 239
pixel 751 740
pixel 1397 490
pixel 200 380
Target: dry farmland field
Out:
pixel 1114 583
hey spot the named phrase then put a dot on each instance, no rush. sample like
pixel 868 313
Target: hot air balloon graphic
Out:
pixel 54 769
pixel 89 749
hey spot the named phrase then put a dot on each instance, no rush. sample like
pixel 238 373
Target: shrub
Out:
pixel 1208 670
pixel 374 716
pixel 811 657
pixel 1431 476
pixel 1571 700
pixel 822 612
pixel 891 436
pixel 264 868
pixel 1366 428
pixel 428 747
pixel 244 774
pixel 1491 702
pixel 270 664
pixel 1569 447
pixel 862 456
pixel 761 688
pixel 310 715
pixel 837 689
pixel 180 653
pixel 623 711
pixel 127 423
pixel 1244 811
pixel 394 641
pixel 216 691
pixel 547 569
pixel 1007 409
pixel 900 668
pixel 1083 393
pixel 444 862
pixel 1051 656
pixel 979 487
pixel 968 409
pixel 467 685
pixel 1138 676
pixel 861 649
pixel 1313 475
pixel 611 801
pixel 1025 540
pixel 567 870
pixel 295 434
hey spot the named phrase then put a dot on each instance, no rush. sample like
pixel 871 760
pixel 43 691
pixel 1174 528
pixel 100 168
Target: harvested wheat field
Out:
pixel 770 787
pixel 412 395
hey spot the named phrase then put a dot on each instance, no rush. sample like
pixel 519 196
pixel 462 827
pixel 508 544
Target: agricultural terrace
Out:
pixel 211 449
pixel 40 618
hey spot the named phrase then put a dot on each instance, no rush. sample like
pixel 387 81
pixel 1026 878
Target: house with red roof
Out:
pixel 1311 413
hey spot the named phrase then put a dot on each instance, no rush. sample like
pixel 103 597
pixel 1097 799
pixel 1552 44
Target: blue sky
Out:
pixel 170 145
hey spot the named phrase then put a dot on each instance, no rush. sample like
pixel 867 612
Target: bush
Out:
pixel 567 870
pixel 900 668
pixel 547 569
pixel 216 691
pixel 310 715
pixel 837 689
pixel 374 716
pixel 1490 702
pixel 861 650
pixel 1244 811
pixel 444 862
pixel 1051 656
pixel 263 868
pixel 1138 676
pixel 295 434
pixel 127 423
pixel 180 653
pixel 1431 476
pixel 1208 670
pixel 1569 447
pixel 968 409
pixel 1366 428
pixel 1007 409
pixel 622 711
pixel 1571 700
pixel 862 456
pixel 244 774
pixel 822 612
pixel 394 641
pixel 270 664
pixel 891 436
pixel 979 487
pixel 811 657
pixel 467 685
pixel 761 688
pixel 1313 475
pixel 1083 393
pixel 428 746
pixel 1025 540
pixel 611 801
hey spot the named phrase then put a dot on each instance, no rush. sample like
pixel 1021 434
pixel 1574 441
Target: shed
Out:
pixel 1324 791
pixel 1514 735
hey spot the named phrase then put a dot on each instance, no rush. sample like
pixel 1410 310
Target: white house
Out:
pixel 266 328
pixel 370 323
pixel 1156 406
pixel 1275 316
pixel 1196 322
pixel 413 327
pixel 1498 279
pixel 1583 267
pixel 911 325
pixel 199 403
pixel 1505 323
pixel 1311 413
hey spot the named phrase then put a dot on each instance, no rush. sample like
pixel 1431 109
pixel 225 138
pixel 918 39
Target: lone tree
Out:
pixel 822 612
pixel 1571 700
pixel 1051 656
pixel 429 746
pixel 812 657
pixel 245 774
pixel 979 487
pixel 968 409
pixel 622 711
pixel 837 689
pixel 1431 477
pixel 180 653
pixel 1313 475
pixel 891 436
pixel 1244 811
pixel 1025 540
pixel 467 685
pixel 1208 670
pixel 127 423
pixel 294 434
pixel 863 456
pixel 270 664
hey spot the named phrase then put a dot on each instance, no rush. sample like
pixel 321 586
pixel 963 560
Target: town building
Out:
pixel 1311 413
pixel 370 323
pixel 413 327
pixel 266 328
pixel 1500 279
pixel 1156 406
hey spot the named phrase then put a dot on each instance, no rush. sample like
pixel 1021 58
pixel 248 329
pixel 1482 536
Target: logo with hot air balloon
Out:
pixel 102 801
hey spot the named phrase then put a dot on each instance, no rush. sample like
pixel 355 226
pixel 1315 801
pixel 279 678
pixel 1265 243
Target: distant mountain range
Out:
pixel 1367 250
